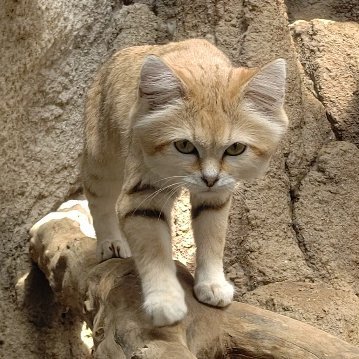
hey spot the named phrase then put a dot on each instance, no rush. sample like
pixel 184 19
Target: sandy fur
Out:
pixel 142 101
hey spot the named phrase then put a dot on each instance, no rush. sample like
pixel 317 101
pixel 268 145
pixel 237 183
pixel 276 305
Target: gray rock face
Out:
pixel 296 225
pixel 326 215
pixel 329 53
pixel 314 303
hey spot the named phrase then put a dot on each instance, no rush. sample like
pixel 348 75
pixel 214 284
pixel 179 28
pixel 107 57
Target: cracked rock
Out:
pixel 327 211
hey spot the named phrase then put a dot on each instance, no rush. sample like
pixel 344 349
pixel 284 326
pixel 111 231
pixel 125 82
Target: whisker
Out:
pixel 153 195
pixel 168 178
pixel 173 192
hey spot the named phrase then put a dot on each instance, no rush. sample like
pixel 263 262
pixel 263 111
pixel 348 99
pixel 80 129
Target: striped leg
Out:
pixel 209 222
pixel 145 216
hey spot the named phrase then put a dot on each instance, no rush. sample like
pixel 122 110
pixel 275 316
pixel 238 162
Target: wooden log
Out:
pixel 108 296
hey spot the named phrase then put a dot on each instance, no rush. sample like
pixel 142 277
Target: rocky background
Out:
pixel 293 243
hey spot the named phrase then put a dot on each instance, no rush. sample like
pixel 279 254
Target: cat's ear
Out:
pixel 265 91
pixel 158 85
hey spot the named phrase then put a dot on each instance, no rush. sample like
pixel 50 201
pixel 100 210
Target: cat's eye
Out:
pixel 236 149
pixel 185 146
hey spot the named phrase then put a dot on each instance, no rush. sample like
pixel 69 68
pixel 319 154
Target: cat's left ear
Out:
pixel 158 85
pixel 265 91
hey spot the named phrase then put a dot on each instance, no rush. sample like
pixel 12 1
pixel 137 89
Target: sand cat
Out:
pixel 159 118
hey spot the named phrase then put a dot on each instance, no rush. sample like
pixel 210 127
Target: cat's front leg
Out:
pixel 145 216
pixel 209 222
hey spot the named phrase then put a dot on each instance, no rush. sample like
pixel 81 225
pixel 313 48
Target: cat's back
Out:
pixel 120 75
pixel 185 53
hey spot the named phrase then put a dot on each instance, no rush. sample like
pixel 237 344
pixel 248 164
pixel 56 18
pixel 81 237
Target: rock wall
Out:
pixel 293 241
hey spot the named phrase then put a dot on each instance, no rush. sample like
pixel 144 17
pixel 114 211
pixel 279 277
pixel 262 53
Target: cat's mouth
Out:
pixel 210 190
pixel 216 190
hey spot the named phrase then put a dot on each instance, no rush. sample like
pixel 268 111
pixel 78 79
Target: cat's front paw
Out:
pixel 165 308
pixel 112 248
pixel 218 294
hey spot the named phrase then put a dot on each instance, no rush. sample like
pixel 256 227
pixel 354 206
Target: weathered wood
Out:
pixel 108 297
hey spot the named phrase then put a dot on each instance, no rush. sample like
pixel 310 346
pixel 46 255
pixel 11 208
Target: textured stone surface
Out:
pixel 326 215
pixel 317 304
pixel 329 53
pixel 336 10
pixel 297 225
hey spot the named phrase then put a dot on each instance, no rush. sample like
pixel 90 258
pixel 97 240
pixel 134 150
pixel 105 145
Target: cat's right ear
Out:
pixel 158 85
pixel 266 89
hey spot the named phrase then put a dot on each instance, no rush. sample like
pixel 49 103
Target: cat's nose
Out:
pixel 210 180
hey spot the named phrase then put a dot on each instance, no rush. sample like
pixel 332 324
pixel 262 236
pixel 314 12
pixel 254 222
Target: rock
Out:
pixel 304 301
pixel 336 10
pixel 327 214
pixel 330 56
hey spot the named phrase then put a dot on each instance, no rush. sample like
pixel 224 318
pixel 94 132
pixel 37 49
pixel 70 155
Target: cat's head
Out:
pixel 209 128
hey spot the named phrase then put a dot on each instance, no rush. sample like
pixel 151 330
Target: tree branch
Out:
pixel 108 296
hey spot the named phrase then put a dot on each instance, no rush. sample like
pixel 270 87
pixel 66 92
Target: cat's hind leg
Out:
pixel 102 187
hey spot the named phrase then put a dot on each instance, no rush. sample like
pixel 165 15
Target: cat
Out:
pixel 162 117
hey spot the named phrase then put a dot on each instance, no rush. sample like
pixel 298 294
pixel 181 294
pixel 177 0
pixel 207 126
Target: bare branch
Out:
pixel 108 297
